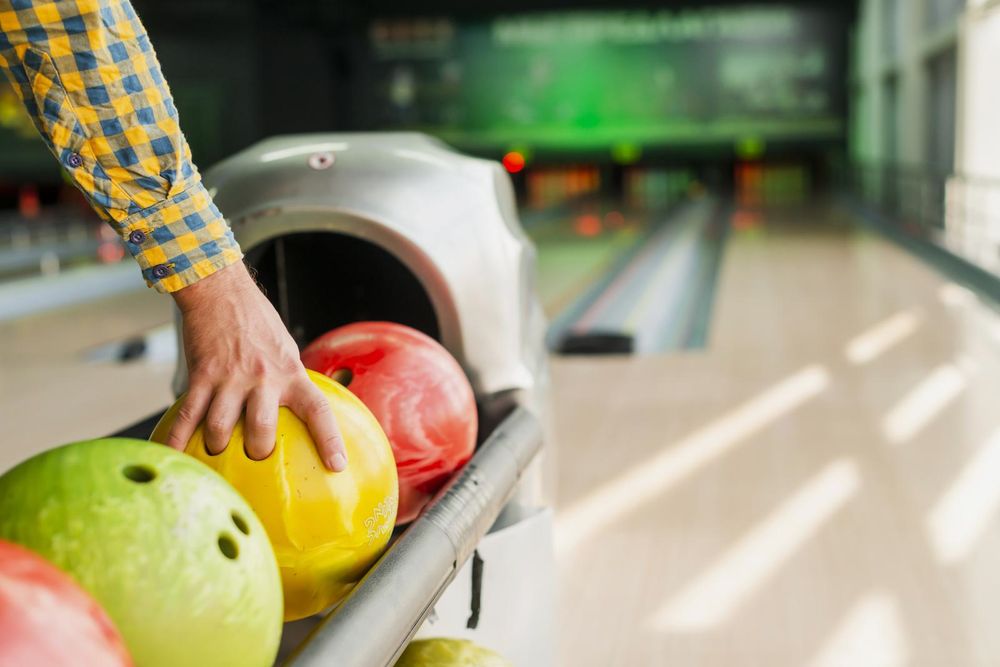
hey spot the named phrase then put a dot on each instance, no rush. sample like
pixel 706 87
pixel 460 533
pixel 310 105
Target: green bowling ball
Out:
pixel 449 653
pixel 168 548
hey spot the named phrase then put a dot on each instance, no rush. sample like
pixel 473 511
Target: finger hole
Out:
pixel 342 375
pixel 140 474
pixel 240 523
pixel 228 547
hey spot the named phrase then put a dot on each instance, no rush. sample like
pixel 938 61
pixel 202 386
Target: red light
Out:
pixel 513 162
pixel 28 203
pixel 744 220
pixel 110 252
pixel 587 225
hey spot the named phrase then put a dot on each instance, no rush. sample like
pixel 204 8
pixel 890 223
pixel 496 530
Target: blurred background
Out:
pixel 768 245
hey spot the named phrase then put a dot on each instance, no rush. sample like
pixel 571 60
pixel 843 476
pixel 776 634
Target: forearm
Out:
pixel 91 82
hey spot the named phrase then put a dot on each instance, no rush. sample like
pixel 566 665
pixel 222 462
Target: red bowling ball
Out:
pixel 46 619
pixel 418 393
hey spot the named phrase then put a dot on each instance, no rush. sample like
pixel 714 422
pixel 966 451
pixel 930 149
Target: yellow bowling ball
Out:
pixel 326 528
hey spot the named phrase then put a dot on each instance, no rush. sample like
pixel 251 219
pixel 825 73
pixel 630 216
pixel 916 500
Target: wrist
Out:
pixel 228 282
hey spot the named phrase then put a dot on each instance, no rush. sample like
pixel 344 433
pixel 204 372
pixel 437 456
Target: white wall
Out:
pixel 946 71
pixel 978 152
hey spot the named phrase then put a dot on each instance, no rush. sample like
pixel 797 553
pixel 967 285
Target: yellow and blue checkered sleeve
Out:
pixel 88 76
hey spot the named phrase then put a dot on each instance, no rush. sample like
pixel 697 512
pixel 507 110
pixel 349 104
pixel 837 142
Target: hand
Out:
pixel 240 354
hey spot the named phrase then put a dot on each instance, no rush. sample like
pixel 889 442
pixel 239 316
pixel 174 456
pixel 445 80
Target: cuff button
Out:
pixel 75 160
pixel 137 237
pixel 161 271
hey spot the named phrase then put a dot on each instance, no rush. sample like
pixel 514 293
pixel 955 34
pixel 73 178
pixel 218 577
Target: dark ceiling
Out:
pixel 189 12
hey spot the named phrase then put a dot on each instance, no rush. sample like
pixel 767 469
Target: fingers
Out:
pixel 261 423
pixel 227 405
pixel 308 402
pixel 190 414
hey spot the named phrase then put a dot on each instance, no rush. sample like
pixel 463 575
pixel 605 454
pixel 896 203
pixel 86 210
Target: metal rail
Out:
pixel 955 212
pixel 373 625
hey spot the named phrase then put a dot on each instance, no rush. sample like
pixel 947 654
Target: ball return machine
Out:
pixel 346 227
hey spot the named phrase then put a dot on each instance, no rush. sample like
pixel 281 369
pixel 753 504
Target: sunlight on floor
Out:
pixel 870 634
pixel 955 295
pixel 844 515
pixel 965 511
pixel 652 478
pixel 712 597
pixel 918 408
pixel 874 342
pixel 958 298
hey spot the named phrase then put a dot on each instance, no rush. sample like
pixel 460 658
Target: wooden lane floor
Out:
pixel 52 391
pixel 819 486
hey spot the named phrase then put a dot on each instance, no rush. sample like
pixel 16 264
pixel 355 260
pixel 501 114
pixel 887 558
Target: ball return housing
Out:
pixel 346 227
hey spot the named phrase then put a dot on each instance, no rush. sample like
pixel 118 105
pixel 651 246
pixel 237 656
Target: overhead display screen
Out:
pixel 596 79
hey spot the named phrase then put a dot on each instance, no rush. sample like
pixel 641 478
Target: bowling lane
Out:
pixel 819 486
pixel 57 384
pixel 649 273
pixel 579 244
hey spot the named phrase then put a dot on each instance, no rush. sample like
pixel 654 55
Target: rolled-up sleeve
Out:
pixel 91 82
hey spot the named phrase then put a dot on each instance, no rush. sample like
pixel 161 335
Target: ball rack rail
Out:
pixel 374 623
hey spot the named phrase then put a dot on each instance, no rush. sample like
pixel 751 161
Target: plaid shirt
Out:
pixel 88 76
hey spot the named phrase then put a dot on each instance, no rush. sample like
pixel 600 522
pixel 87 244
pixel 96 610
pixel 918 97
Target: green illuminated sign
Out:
pixel 621 82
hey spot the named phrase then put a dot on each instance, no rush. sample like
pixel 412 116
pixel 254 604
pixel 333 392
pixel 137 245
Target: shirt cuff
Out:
pixel 180 240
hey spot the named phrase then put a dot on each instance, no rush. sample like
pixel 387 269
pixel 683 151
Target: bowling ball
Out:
pixel 449 653
pixel 170 550
pixel 418 393
pixel 47 619
pixel 327 528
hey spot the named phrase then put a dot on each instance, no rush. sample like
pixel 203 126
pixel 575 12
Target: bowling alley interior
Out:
pixel 539 334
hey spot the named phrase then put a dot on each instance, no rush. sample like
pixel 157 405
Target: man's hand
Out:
pixel 240 354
